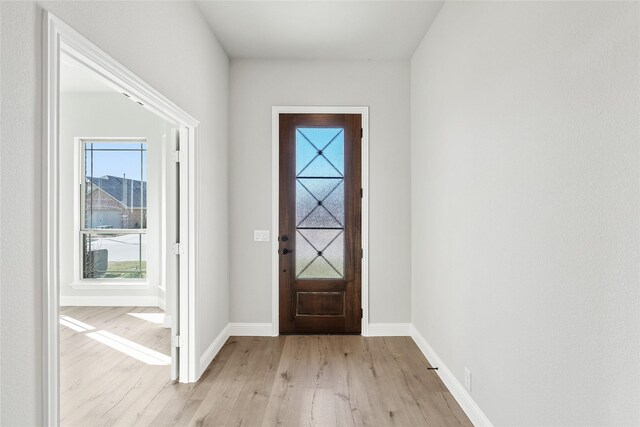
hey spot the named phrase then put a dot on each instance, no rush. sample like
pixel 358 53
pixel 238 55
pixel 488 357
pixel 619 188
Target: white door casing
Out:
pixel 58 37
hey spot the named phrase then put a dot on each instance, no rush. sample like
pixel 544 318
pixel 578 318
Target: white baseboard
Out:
pixel 464 399
pixel 214 348
pixel 108 301
pixel 389 330
pixel 250 329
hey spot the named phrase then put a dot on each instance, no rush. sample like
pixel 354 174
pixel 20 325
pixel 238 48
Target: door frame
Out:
pixel 59 37
pixel 275 204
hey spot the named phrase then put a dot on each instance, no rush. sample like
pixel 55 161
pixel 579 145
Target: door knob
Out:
pixel 285 251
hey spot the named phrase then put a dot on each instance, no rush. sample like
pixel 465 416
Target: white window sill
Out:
pixel 110 284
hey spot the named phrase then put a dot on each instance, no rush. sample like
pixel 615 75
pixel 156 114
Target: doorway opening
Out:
pixel 118 215
pixel 120 227
pixel 320 261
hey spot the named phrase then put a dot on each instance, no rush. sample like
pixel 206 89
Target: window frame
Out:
pixel 80 229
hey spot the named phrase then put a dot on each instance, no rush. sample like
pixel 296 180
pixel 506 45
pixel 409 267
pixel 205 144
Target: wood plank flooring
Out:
pixel 100 384
pixel 254 381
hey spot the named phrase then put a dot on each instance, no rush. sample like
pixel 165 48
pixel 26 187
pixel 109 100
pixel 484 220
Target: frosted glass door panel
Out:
pixel 320 204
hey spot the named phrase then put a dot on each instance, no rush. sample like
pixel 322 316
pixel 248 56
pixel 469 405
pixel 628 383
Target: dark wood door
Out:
pixel 320 247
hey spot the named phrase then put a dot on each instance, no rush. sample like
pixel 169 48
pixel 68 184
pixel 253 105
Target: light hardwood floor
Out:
pixel 254 381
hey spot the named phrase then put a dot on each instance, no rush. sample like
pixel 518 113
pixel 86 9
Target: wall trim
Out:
pixel 275 202
pixel 109 301
pixel 211 352
pixel 250 329
pixel 464 399
pixel 389 330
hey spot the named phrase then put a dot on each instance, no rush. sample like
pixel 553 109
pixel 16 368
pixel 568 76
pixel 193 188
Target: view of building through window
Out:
pixel 114 209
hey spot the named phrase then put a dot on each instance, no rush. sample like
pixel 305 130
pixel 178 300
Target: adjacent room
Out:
pixel 118 274
pixel 320 213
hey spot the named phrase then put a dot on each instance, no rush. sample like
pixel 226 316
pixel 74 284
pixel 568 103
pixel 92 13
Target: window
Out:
pixel 320 203
pixel 113 229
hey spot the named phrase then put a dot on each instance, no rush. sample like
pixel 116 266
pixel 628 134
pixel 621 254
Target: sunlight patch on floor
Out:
pixel 157 318
pixel 75 324
pixel 130 348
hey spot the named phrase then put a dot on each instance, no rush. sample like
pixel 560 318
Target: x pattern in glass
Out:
pixel 320 203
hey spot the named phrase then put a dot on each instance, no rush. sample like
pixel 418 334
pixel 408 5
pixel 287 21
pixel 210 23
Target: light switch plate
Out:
pixel 260 235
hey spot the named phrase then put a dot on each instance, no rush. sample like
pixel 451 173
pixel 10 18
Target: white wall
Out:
pixel 107 115
pixel 170 46
pixel 256 86
pixel 525 197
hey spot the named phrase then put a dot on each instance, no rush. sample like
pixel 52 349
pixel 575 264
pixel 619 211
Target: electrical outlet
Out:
pixel 467 379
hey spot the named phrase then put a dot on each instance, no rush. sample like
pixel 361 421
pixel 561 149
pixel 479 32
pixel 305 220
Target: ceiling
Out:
pixel 305 29
pixel 75 77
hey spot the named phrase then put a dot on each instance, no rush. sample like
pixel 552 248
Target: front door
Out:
pixel 320 223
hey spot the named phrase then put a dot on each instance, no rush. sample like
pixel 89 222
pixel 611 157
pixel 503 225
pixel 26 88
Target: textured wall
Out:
pixel 256 86
pixel 186 64
pixel 525 197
